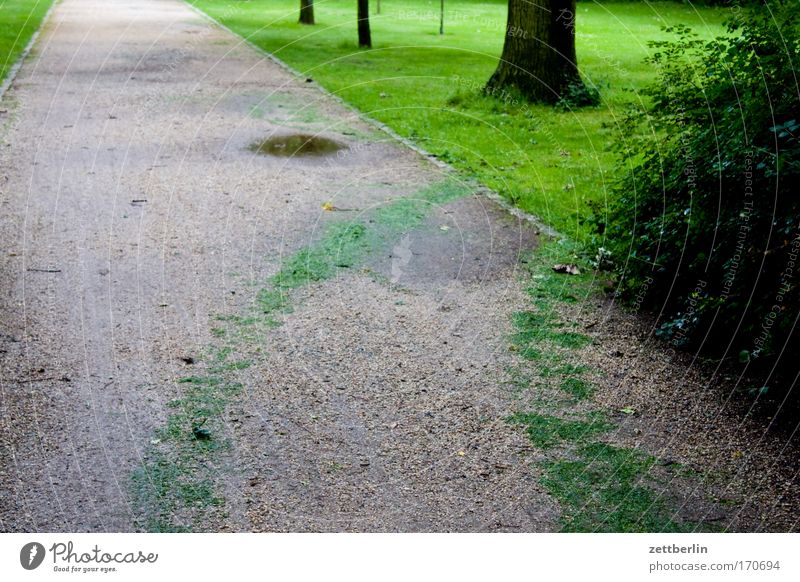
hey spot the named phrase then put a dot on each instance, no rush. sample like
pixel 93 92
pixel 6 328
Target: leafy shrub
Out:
pixel 704 225
pixel 578 95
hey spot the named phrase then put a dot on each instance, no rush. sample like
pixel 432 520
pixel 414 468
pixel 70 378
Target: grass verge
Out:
pixel 19 20
pixel 426 87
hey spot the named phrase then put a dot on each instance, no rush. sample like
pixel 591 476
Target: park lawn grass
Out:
pixel 427 87
pixel 19 19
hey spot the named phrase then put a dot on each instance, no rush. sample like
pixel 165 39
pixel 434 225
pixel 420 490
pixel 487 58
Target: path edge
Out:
pixel 534 220
pixel 14 70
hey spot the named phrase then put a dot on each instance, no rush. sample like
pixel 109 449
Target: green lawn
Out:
pixel 19 19
pixel 426 86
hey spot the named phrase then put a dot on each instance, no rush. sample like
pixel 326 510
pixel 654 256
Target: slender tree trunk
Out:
pixel 364 36
pixel 306 11
pixel 539 51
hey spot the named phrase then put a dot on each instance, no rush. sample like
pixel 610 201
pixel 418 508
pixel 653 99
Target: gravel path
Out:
pixel 139 233
pixel 133 212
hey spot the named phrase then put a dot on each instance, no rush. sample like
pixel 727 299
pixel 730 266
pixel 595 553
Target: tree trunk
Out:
pixel 539 51
pixel 364 36
pixel 306 11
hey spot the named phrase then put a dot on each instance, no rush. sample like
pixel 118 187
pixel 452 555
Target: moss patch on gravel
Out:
pixel 578 388
pixel 176 488
pixel 546 431
pixel 601 487
pixel 603 490
pixel 536 328
pixel 341 247
pixel 346 244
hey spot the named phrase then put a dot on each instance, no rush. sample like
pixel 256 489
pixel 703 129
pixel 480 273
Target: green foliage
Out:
pixel 705 224
pixel 687 2
pixel 579 95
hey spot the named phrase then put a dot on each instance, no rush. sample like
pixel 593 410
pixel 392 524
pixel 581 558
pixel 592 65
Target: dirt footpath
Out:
pixel 134 211
pixel 206 331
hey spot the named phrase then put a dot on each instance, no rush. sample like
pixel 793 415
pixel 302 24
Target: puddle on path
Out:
pixel 297 144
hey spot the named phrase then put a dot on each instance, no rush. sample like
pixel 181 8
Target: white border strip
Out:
pixel 12 72
pixel 534 220
pixel 401 557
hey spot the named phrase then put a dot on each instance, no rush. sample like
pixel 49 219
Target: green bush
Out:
pixel 704 225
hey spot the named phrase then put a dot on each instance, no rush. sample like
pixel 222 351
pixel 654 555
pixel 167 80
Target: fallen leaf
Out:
pixel 328 206
pixel 444 227
pixel 627 410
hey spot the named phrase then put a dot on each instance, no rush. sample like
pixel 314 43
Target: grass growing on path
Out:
pixel 426 86
pixel 177 489
pixel 19 19
pixel 601 487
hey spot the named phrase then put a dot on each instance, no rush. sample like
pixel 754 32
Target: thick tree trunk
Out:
pixel 306 11
pixel 364 36
pixel 539 51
